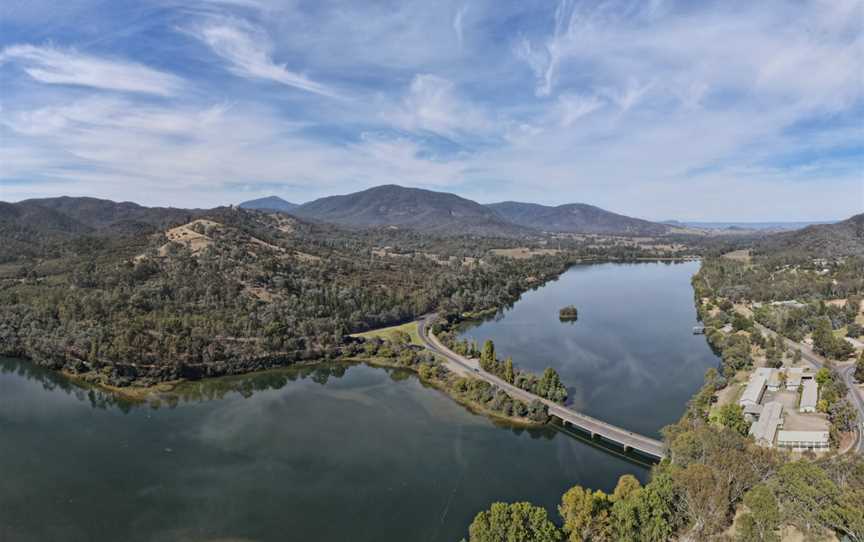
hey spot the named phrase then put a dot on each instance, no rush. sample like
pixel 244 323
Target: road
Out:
pixel 465 366
pixel 846 371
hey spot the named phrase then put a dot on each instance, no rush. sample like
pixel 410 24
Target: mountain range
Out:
pixel 445 213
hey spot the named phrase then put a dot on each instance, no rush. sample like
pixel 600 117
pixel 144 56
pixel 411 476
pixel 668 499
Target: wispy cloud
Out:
pixel 694 110
pixel 457 23
pixel 573 106
pixel 248 50
pixel 68 67
pixel 433 105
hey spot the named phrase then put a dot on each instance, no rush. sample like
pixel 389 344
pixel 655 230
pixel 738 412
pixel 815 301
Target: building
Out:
pixel 755 387
pixel 809 396
pixel 765 428
pixel 775 381
pixel 800 441
pixel 752 412
pixel 795 376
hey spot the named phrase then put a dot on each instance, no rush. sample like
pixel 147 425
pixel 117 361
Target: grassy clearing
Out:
pixel 523 252
pixel 738 255
pixel 388 333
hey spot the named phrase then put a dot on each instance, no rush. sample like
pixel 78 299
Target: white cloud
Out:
pixel 196 156
pixel 457 23
pixel 57 67
pixel 433 105
pixel 573 106
pixel 696 111
pixel 248 51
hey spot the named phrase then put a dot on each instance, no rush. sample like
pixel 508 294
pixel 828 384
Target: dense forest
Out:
pixel 238 290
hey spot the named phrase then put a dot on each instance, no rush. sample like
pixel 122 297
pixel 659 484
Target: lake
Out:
pixel 341 452
pixel 631 357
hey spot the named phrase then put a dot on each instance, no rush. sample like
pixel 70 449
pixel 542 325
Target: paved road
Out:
pixel 855 398
pixel 466 366
pixel 846 371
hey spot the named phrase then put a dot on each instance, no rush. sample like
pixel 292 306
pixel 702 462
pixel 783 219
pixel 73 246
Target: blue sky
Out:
pixel 691 110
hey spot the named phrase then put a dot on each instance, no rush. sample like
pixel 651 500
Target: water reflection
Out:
pixel 186 392
pixel 631 359
pixel 267 457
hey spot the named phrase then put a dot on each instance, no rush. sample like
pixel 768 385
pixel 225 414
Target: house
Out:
pixel 755 387
pixel 803 440
pixel 765 428
pixel 809 396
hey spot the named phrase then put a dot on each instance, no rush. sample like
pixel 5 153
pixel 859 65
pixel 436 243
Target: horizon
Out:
pixel 734 112
pixel 803 222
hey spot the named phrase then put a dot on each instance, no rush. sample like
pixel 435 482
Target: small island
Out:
pixel 568 313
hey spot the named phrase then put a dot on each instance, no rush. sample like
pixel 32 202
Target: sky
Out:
pixel 727 110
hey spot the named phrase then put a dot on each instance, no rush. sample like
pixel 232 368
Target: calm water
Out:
pixel 631 359
pixel 363 455
pixel 345 453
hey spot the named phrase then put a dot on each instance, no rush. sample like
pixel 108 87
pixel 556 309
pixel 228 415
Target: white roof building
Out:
pixel 794 376
pixel 809 396
pixel 752 412
pixel 803 440
pixel 755 387
pixel 774 380
pixel 765 428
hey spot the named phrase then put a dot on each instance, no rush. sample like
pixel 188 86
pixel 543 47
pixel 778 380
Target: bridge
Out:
pixel 598 429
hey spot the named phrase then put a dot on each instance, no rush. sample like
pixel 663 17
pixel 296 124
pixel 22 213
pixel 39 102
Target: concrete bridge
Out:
pixel 598 429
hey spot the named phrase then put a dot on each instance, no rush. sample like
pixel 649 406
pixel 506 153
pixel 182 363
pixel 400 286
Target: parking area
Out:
pixel 792 419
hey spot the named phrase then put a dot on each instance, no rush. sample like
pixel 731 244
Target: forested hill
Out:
pixel 230 291
pixel 101 214
pixel 397 206
pixel 575 218
pixel 33 227
pixel 844 238
pixel 270 203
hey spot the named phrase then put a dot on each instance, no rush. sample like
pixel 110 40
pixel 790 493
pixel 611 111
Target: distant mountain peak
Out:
pixel 269 203
pixel 391 205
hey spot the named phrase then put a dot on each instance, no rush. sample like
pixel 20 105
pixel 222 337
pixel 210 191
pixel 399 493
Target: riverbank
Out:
pixel 352 352
pixel 444 387
pixel 171 391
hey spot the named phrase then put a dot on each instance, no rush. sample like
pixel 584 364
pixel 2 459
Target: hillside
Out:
pixel 575 218
pixel 412 208
pixel 270 203
pixel 844 238
pixel 79 215
pixel 59 225
pixel 230 291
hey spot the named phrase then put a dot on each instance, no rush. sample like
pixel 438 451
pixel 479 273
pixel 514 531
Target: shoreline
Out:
pixel 141 395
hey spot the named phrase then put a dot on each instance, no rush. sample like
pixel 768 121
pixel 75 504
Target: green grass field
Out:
pixel 387 333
